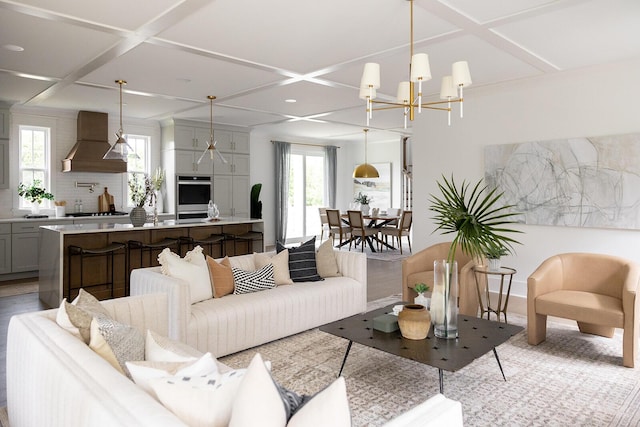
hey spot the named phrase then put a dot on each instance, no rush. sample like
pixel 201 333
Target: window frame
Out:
pixel 135 140
pixel 45 170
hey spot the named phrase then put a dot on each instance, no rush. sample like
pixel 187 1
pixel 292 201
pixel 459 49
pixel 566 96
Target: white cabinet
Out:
pixel 231 194
pixel 5 248
pixel 25 244
pixel 237 164
pixel 231 141
pixel 191 137
pixel 186 162
pixel 4 148
pixel 4 163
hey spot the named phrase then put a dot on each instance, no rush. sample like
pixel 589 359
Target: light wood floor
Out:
pixel 384 279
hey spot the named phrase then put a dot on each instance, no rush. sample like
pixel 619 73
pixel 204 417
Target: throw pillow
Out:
pixel 253 281
pixel 258 401
pixel 200 401
pixel 158 348
pixel 302 261
pixel 192 269
pixel 221 276
pixel 326 260
pixel 76 317
pixel 143 371
pixel 329 407
pixel 116 343
pixel 280 263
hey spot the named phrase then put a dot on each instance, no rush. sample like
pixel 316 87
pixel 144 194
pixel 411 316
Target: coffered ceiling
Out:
pixel 255 54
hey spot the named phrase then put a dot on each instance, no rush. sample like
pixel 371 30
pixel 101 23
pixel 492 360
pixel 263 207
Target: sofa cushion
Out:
pixel 326 260
pixel 162 349
pixel 258 402
pixel 192 269
pixel 328 407
pixel 143 371
pixel 252 281
pixel 221 276
pixel 582 307
pixel 115 342
pixel 302 261
pixel 76 317
pixel 202 400
pixel 280 263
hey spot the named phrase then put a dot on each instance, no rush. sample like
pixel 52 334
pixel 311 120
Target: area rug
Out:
pixel 570 379
pixel 383 255
pixel 18 289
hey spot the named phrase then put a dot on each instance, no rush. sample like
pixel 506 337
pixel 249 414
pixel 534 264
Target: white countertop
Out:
pixel 109 227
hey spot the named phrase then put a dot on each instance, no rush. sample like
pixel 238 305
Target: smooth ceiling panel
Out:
pixel 51 48
pixel 311 99
pixel 488 10
pixel 162 70
pixel 309 130
pixel 116 13
pixel 303 36
pixel 16 90
pixel 599 32
pixel 78 97
pixel 229 116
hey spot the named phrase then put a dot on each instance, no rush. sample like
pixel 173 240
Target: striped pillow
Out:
pixel 302 261
pixel 253 281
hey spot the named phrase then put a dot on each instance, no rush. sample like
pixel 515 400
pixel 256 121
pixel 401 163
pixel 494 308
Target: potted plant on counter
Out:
pixel 34 193
pixel 140 190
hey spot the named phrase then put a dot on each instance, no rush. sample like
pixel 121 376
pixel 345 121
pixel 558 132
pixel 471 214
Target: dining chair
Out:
pixel 403 229
pixel 324 223
pixel 359 229
pixel 336 226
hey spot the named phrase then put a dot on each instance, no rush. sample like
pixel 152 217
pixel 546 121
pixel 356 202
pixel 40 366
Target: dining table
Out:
pixel 373 221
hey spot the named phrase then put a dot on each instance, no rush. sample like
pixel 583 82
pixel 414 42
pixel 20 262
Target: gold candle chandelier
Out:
pixel 419 71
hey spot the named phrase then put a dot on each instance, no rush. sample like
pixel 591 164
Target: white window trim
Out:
pixel 18 120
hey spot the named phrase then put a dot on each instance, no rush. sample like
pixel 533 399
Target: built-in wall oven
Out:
pixel 192 196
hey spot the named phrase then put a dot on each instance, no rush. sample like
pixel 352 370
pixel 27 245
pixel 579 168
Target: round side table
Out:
pixel 484 271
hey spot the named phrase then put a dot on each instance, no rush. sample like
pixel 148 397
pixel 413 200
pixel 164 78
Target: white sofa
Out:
pixel 54 379
pixel 236 322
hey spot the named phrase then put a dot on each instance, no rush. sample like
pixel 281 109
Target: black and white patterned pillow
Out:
pixel 302 261
pixel 253 281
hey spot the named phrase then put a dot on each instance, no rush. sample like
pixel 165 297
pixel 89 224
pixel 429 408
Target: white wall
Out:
pixel 590 102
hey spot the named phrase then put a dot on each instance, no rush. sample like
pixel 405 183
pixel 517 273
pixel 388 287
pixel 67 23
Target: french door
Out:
pixel 306 194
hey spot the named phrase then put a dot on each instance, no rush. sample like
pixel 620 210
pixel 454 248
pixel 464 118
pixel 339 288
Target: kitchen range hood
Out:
pixel 93 143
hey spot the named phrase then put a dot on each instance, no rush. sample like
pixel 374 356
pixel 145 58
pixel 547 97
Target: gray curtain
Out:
pixel 283 154
pixel 330 163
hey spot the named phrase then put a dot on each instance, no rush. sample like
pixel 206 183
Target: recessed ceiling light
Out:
pixel 13 47
pixel 290 100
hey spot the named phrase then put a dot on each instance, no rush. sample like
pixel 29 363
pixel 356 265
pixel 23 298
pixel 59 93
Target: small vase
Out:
pixel 414 321
pixel 138 216
pixel 494 264
pixel 35 208
pixel 422 300
pixel 444 299
pixel 364 209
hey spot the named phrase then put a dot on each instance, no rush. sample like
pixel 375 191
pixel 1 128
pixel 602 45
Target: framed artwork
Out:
pixel 379 189
pixel 580 182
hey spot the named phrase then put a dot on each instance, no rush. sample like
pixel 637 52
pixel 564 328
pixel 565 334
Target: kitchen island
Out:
pixel 59 279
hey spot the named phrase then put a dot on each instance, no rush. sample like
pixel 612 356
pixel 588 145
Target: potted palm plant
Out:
pixel 479 223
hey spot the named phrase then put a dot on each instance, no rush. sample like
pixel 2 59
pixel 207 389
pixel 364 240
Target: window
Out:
pixel 34 149
pixel 306 194
pixel 140 145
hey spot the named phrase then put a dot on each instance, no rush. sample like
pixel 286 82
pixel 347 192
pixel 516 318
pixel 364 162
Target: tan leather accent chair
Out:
pixel 418 268
pixel 598 291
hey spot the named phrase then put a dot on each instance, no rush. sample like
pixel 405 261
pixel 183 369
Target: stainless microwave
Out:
pixel 192 196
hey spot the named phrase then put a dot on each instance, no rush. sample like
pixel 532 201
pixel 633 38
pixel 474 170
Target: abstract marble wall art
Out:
pixel 581 182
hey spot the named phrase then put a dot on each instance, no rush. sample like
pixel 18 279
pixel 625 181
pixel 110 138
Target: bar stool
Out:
pixel 213 239
pixel 107 252
pixel 249 236
pixel 149 248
